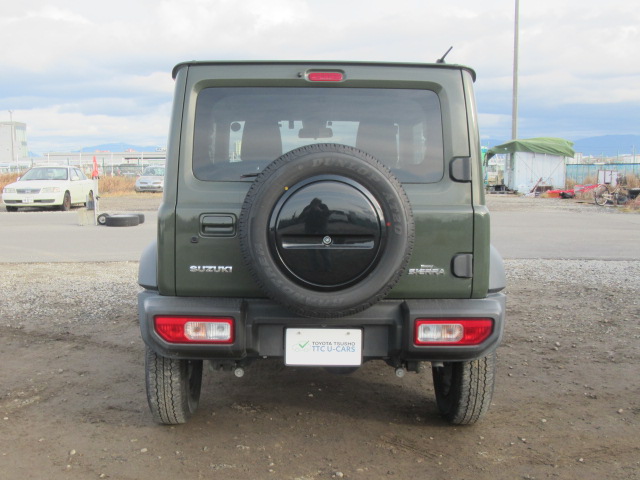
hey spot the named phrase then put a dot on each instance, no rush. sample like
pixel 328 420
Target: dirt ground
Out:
pixel 73 406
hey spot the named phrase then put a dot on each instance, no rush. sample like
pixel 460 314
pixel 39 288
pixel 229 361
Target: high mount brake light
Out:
pixel 452 331
pixel 180 329
pixel 325 76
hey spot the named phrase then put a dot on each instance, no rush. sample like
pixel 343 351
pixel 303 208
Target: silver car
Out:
pixel 151 180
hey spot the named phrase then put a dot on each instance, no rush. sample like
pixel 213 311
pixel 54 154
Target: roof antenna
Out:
pixel 441 60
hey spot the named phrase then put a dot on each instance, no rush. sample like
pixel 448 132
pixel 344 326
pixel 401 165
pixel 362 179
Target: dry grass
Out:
pixel 107 186
pixel 116 186
pixel 7 178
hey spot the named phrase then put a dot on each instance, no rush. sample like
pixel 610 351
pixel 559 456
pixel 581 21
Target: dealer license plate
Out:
pixel 323 347
pixel 27 199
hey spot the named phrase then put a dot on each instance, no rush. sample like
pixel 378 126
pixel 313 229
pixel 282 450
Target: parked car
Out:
pixel 50 186
pixel 128 170
pixel 151 180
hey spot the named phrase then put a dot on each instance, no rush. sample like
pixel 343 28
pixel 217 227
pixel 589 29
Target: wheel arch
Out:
pixel 148 267
pixel 497 275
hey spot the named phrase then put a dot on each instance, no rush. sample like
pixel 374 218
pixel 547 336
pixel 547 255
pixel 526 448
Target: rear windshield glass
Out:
pixel 239 131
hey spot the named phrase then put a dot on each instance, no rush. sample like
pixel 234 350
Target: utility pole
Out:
pixel 514 111
pixel 13 132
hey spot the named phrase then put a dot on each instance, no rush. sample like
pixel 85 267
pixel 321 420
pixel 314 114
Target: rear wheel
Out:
pixel 173 387
pixel 601 195
pixel 66 202
pixel 464 389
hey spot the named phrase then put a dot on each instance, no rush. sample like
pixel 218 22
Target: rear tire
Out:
pixel 464 389
pixel 599 195
pixel 173 387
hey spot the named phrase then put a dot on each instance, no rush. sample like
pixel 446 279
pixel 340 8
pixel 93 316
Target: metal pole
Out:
pixel 514 113
pixel 12 131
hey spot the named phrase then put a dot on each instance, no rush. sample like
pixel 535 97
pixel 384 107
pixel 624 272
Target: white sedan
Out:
pixel 50 186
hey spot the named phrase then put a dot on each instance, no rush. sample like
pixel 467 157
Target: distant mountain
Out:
pixel 608 145
pixel 119 147
pixel 601 146
pixel 605 145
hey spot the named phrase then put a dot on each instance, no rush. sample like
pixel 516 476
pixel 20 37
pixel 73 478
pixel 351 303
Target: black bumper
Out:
pixel 260 324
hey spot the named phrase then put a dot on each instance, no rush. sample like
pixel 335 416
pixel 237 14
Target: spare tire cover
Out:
pixel 326 230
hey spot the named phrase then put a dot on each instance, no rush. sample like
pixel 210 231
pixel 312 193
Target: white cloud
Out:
pixel 87 57
pixel 51 13
pixel 73 129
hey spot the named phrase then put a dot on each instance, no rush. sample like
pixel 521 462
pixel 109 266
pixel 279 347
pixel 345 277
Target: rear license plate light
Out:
pixel 452 331
pixel 195 329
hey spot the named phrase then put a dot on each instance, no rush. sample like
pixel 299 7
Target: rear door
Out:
pixel 239 118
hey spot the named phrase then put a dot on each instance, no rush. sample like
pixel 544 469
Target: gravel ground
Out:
pixel 566 406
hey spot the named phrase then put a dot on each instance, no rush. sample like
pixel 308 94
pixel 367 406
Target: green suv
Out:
pixel 326 214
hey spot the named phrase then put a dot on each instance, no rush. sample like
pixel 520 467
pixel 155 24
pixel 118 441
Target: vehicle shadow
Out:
pixel 373 392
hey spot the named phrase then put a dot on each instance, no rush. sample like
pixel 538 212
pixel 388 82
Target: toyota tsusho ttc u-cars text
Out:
pixel 325 214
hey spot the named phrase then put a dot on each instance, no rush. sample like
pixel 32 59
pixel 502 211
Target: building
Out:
pixel 13 142
pixel 534 163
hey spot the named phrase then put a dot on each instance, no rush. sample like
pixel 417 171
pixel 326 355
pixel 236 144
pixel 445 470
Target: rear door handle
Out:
pixel 218 225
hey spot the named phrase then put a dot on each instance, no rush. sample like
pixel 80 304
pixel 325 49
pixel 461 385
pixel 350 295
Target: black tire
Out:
pixel 124 220
pixel 102 218
pixel 464 389
pixel 66 202
pixel 319 164
pixel 599 195
pixel 11 209
pixel 140 217
pixel 173 387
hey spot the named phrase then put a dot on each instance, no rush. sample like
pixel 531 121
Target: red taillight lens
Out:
pixel 452 331
pixel 195 329
pixel 325 76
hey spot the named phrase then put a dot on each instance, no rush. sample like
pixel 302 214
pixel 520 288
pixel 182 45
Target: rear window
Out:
pixel 239 131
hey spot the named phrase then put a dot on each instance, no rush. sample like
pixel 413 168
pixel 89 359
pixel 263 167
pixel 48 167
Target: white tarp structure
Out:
pixel 534 162
pixel 535 169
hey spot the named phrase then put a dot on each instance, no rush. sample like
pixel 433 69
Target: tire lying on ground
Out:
pixel 326 230
pixel 122 220
pixel 102 218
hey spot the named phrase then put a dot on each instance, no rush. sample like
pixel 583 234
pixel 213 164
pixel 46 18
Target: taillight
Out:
pixel 325 76
pixel 452 331
pixel 195 329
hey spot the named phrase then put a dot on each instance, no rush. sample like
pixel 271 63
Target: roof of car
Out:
pixel 315 63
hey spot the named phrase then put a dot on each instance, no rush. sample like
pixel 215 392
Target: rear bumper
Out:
pixel 260 324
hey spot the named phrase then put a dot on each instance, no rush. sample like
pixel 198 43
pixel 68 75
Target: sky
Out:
pixel 82 73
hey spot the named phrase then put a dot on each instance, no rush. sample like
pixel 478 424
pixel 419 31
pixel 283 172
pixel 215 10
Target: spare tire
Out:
pixel 326 230
pixel 122 220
